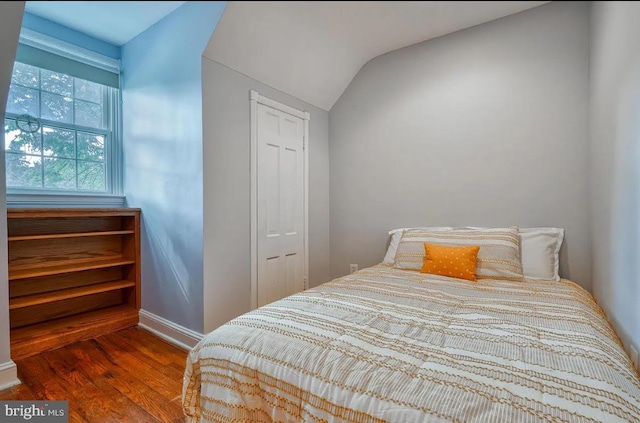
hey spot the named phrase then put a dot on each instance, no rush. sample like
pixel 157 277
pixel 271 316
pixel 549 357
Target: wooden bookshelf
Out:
pixel 73 274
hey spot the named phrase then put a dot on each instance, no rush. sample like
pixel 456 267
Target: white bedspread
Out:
pixel 400 346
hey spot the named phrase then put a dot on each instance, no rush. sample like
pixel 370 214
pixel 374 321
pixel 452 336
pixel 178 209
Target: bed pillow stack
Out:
pixel 538 249
pixel 498 258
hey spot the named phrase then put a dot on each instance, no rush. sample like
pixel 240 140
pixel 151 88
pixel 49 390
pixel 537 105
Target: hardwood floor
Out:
pixel 125 376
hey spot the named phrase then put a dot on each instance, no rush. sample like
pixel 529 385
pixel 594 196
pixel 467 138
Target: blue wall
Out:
pixel 71 36
pixel 162 119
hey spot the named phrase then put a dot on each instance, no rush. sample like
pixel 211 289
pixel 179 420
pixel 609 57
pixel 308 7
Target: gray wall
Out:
pixel 486 127
pixel 162 109
pixel 615 163
pixel 10 20
pixel 227 264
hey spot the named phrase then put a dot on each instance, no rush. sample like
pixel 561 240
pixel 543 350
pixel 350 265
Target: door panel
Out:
pixel 275 286
pixel 272 188
pixel 291 203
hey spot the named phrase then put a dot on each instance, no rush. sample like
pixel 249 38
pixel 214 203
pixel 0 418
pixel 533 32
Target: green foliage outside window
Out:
pixel 68 151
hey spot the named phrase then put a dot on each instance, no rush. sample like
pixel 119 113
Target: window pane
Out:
pixel 88 114
pixel 90 146
pixel 59 173
pixel 57 83
pixel 25 75
pixel 23 100
pixel 55 107
pixel 23 170
pixel 58 142
pixel 90 91
pixel 20 142
pixel 91 176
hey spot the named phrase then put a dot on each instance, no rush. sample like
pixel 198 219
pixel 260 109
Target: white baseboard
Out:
pixel 8 375
pixel 171 332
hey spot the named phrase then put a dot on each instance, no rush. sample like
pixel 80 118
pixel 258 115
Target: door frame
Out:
pixel 255 99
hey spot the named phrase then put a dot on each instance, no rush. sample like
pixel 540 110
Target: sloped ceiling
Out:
pixel 115 22
pixel 312 50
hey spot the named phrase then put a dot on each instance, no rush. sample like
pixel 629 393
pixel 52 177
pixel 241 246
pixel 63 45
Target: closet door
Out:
pixel 281 254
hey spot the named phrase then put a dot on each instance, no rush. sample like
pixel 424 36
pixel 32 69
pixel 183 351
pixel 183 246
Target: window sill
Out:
pixel 64 200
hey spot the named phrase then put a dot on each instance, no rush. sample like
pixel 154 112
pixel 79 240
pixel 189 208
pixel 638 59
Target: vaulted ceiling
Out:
pixel 115 22
pixel 312 50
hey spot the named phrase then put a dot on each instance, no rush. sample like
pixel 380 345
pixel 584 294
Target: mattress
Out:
pixel 389 345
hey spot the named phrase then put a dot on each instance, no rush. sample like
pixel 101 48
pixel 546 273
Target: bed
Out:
pixel 393 345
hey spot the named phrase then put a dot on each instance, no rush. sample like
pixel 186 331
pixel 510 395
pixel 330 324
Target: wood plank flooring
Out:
pixel 124 376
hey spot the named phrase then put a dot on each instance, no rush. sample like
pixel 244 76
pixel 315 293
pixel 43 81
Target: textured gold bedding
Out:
pixel 393 345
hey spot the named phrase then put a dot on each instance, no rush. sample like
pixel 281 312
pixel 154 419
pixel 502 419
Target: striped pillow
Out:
pixel 499 256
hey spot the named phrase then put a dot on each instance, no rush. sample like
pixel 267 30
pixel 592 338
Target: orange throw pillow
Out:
pixel 455 262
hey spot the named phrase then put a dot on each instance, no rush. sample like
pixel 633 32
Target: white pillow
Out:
pixel 540 248
pixel 396 236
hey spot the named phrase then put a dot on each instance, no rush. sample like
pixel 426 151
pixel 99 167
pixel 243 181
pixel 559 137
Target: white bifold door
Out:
pixel 281 254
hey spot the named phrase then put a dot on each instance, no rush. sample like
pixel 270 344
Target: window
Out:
pixel 72 148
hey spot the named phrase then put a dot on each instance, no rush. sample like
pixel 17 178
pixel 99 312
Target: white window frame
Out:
pixel 34 197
